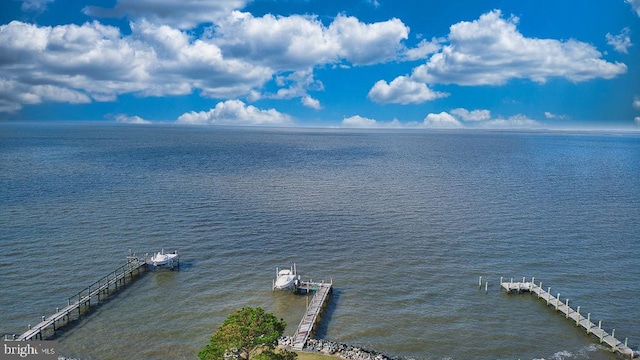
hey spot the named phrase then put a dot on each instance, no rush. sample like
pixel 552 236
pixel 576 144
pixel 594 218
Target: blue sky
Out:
pixel 531 64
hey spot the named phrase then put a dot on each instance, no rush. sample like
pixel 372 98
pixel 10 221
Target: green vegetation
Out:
pixel 248 334
pixel 314 356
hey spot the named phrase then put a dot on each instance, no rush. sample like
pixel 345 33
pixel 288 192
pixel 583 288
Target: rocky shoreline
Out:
pixel 344 351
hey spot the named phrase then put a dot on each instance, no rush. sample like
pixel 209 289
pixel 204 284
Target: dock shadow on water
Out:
pixel 327 314
pixel 292 306
pixel 92 298
pixel 89 314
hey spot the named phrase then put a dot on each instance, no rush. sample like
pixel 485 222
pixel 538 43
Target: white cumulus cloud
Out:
pixel 13 95
pixel 183 14
pixel 300 42
pixel 424 49
pixel 310 102
pixel 637 120
pixel 403 90
pixel 621 42
pixel 513 122
pixel 293 85
pixel 478 119
pixel 635 4
pixel 459 118
pixel 35 5
pixel 293 42
pixel 80 63
pixel 491 51
pixel 238 56
pixel 358 121
pixel 363 44
pixel 474 115
pixel 442 120
pixel 636 103
pixel 550 115
pixel 125 119
pixel 235 112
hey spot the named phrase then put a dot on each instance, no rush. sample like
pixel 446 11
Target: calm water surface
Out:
pixel 403 222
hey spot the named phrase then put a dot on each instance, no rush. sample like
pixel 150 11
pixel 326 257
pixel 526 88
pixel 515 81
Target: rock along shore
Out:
pixel 336 349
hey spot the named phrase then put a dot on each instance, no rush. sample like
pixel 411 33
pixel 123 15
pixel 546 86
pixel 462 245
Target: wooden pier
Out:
pixel 305 328
pixel 97 291
pixel 574 315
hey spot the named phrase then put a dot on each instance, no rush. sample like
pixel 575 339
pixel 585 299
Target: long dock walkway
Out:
pixel 564 308
pixel 311 316
pixel 98 290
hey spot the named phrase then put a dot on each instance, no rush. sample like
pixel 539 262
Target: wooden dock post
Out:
pixel 540 291
pixel 600 328
pixel 548 292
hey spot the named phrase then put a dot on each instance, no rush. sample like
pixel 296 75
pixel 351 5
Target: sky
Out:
pixel 455 64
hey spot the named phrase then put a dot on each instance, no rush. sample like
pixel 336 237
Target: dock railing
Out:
pixel 572 314
pixel 117 278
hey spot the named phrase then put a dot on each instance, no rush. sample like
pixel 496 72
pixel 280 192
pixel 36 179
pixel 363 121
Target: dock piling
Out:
pixel 548 292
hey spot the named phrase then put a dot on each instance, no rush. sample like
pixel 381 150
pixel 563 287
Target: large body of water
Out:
pixel 403 222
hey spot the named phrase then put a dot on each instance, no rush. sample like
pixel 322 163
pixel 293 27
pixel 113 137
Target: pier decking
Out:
pixel 99 290
pixel 564 308
pixel 312 314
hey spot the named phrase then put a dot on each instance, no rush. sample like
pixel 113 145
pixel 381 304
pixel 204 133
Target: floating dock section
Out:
pixel 81 301
pixel 312 315
pixel 574 315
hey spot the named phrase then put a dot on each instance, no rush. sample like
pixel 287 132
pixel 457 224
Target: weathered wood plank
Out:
pixel 312 313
